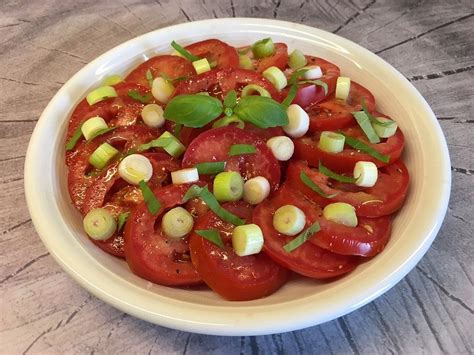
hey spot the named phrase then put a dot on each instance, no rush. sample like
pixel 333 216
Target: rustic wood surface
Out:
pixel 43 43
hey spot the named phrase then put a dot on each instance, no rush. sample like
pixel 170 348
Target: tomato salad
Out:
pixel 235 168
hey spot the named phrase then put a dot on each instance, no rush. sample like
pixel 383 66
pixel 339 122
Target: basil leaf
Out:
pixel 193 110
pixel 359 145
pixel 237 149
pixel 135 94
pixel 311 184
pixel 122 218
pixel 210 168
pixel 261 111
pixel 228 111
pixel 211 235
pixel 149 77
pixel 230 100
pixel 323 170
pixel 177 130
pixel 151 201
pixel 364 122
pixel 71 143
pixel 291 95
pixel 302 238
pixel 184 52
pixel 211 202
pixel 372 118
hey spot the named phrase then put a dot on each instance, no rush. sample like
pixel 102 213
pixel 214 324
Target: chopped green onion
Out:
pixel 71 143
pixel 201 66
pixel 291 95
pixel 151 201
pixel 211 202
pixel 99 224
pixel 341 213
pixel 228 186
pixel 144 99
pixel 252 89
pixel 358 145
pixel 230 100
pixel 149 77
pixel 122 218
pixel 112 80
pixel 225 121
pixel 276 77
pixel 102 155
pixel 302 238
pixel 331 142
pixel 193 192
pixel 237 149
pixel 99 94
pixel 166 141
pixel 245 62
pixel 297 60
pixel 263 48
pixel 210 168
pixel 296 75
pixel 384 127
pixel 364 123
pixel 184 52
pixel 211 235
pixel 335 176
pixel 310 183
pixel 92 125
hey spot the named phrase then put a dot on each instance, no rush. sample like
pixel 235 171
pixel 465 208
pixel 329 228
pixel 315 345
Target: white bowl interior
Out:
pixel 300 303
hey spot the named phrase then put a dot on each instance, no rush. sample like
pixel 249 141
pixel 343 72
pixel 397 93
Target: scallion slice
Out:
pixel 101 132
pixel 263 48
pixel 112 80
pixel 184 52
pixel 211 235
pixel 310 183
pixel 151 201
pixel 225 121
pixel 166 141
pixel 252 89
pixel 335 176
pixel 71 143
pixel 364 122
pixel 245 62
pixel 149 77
pixel 237 149
pixel 302 238
pixel 99 94
pixel 317 82
pixel 102 155
pixel 211 202
pixel 121 219
pixel 358 145
pixel 210 168
pixel 297 60
pixel 144 99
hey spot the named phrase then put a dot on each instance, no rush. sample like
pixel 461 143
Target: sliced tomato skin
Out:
pixel 309 259
pixel 231 276
pixel 149 253
pixel 279 59
pixel 358 240
pixel 78 161
pixel 214 50
pixel 214 145
pixel 384 198
pixel 306 148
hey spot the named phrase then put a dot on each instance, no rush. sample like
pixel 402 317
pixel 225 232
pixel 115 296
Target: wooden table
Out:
pixel 43 43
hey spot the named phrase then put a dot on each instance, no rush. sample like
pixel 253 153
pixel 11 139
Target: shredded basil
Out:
pixel 335 176
pixel 302 238
pixel 211 235
pixel 151 201
pixel 310 183
pixel 237 149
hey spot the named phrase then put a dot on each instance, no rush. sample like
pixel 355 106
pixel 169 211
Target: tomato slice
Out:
pixel 123 138
pixel 306 148
pixel 279 59
pixel 384 198
pixel 332 114
pixel 233 277
pixel 214 145
pixel 330 71
pixel 308 259
pixel 118 111
pixel 171 65
pixel 149 253
pixel 216 52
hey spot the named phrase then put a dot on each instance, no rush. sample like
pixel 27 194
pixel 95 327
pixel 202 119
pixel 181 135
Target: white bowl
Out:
pixel 300 303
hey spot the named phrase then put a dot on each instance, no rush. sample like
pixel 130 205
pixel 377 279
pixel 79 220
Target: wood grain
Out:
pixel 45 42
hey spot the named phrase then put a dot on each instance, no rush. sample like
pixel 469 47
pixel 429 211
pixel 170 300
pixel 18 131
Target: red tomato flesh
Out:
pixel 216 52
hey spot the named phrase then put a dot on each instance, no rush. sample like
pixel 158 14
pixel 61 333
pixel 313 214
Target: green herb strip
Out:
pixel 121 219
pixel 193 192
pixel 101 132
pixel 302 238
pixel 321 83
pixel 261 111
pixel 230 100
pixel 333 175
pixel 149 77
pixel 151 201
pixel 193 110
pixel 177 130
pixel 310 183
pixel 210 168
pixel 71 143
pixel 144 99
pixel 364 122
pixel 184 52
pixel 156 143
pixel 211 235
pixel 215 207
pixel 372 118
pixel 237 149
pixel 291 95
pixel 358 145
